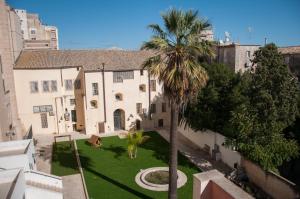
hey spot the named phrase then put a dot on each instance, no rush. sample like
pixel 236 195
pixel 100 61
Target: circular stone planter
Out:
pixel 142 182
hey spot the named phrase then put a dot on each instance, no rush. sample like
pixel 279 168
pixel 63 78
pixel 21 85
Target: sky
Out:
pixel 94 24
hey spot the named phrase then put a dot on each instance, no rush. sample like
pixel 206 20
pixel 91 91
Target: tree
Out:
pixel 134 139
pixel 271 107
pixel 177 48
pixel 223 92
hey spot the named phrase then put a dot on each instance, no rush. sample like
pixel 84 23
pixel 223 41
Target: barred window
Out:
pixel 119 76
pixel 153 85
pixel 53 85
pixel 77 84
pixel 46 86
pixel 139 109
pixel 142 72
pixel 42 109
pixel 68 84
pixel 44 120
pixel 72 101
pixel 95 88
pixel 153 108
pixel 34 87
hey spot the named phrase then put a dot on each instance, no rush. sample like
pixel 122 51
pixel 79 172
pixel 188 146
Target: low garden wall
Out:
pixel 207 140
pixel 273 184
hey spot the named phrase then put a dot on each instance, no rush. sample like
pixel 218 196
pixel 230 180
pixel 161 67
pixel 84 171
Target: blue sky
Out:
pixel 123 23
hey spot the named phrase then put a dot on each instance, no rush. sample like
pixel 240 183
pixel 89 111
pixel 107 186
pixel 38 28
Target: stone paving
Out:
pixel 196 155
pixel 72 187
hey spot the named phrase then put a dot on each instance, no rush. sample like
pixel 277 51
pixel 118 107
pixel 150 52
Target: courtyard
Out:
pixel 110 173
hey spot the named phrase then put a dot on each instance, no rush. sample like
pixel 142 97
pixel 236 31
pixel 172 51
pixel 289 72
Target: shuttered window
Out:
pixel 119 76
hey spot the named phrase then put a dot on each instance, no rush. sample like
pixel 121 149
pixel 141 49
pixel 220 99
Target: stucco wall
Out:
pixel 60 100
pixel 273 184
pixel 131 93
pixel 210 138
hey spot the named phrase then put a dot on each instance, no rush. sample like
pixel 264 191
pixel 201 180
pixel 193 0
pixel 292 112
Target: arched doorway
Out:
pixel 119 120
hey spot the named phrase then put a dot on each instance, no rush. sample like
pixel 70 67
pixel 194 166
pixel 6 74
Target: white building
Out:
pixel 93 91
pixel 19 177
pixel 37 35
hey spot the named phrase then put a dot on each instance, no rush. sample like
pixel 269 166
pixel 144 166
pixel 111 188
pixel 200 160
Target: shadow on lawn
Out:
pixel 64 154
pixel 86 165
pixel 118 150
pixel 160 148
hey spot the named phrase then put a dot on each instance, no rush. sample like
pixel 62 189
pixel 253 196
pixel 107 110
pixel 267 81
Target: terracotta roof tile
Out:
pixel 290 50
pixel 89 59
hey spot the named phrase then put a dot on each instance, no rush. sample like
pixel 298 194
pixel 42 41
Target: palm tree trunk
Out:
pixel 173 152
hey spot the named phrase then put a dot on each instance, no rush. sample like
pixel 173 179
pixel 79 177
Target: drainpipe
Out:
pixel 103 87
pixel 149 91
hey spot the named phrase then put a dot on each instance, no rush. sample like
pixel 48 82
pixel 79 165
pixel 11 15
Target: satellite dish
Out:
pixel 227 34
pixel 227 37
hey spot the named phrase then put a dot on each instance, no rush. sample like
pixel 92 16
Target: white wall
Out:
pixel 59 99
pixel 129 88
pixel 210 138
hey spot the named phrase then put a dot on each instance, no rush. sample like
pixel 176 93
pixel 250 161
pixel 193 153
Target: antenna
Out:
pixel 266 40
pixel 250 32
pixel 227 37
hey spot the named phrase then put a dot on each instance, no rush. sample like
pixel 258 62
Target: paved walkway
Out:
pixel 72 187
pixel 196 155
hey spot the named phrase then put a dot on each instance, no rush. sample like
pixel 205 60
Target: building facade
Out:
pixel 37 35
pixel 11 44
pixel 238 57
pixel 94 91
pixel 291 56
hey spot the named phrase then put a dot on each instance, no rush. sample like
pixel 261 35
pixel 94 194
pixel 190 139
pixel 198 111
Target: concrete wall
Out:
pixel 273 184
pixel 210 138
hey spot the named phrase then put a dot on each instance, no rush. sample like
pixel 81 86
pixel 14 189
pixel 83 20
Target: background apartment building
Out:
pixel 37 35
pixel 95 91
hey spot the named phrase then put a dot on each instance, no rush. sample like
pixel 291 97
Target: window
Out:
pixel 163 107
pixel 119 76
pixel 46 85
pixel 73 115
pixel 95 88
pixel 33 38
pixel 94 104
pixel 72 102
pixel 143 87
pixel 119 97
pixel 142 72
pixel 139 109
pixel 153 85
pixel 160 123
pixel 44 120
pixel 153 108
pixel 248 54
pixel 42 109
pixel 77 84
pixel 68 84
pixel 34 87
pixel 32 31
pixel 53 85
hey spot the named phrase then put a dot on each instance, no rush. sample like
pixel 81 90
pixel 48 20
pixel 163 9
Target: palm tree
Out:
pixel 134 140
pixel 175 63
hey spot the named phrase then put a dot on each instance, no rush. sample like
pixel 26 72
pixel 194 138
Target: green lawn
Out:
pixel 63 159
pixel 109 173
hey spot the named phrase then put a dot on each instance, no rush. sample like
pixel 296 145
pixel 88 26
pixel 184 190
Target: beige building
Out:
pixel 93 91
pixel 11 44
pixel 37 35
pixel 237 56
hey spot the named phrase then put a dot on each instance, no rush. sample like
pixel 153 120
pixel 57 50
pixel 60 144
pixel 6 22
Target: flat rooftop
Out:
pixel 16 147
pixel 7 178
